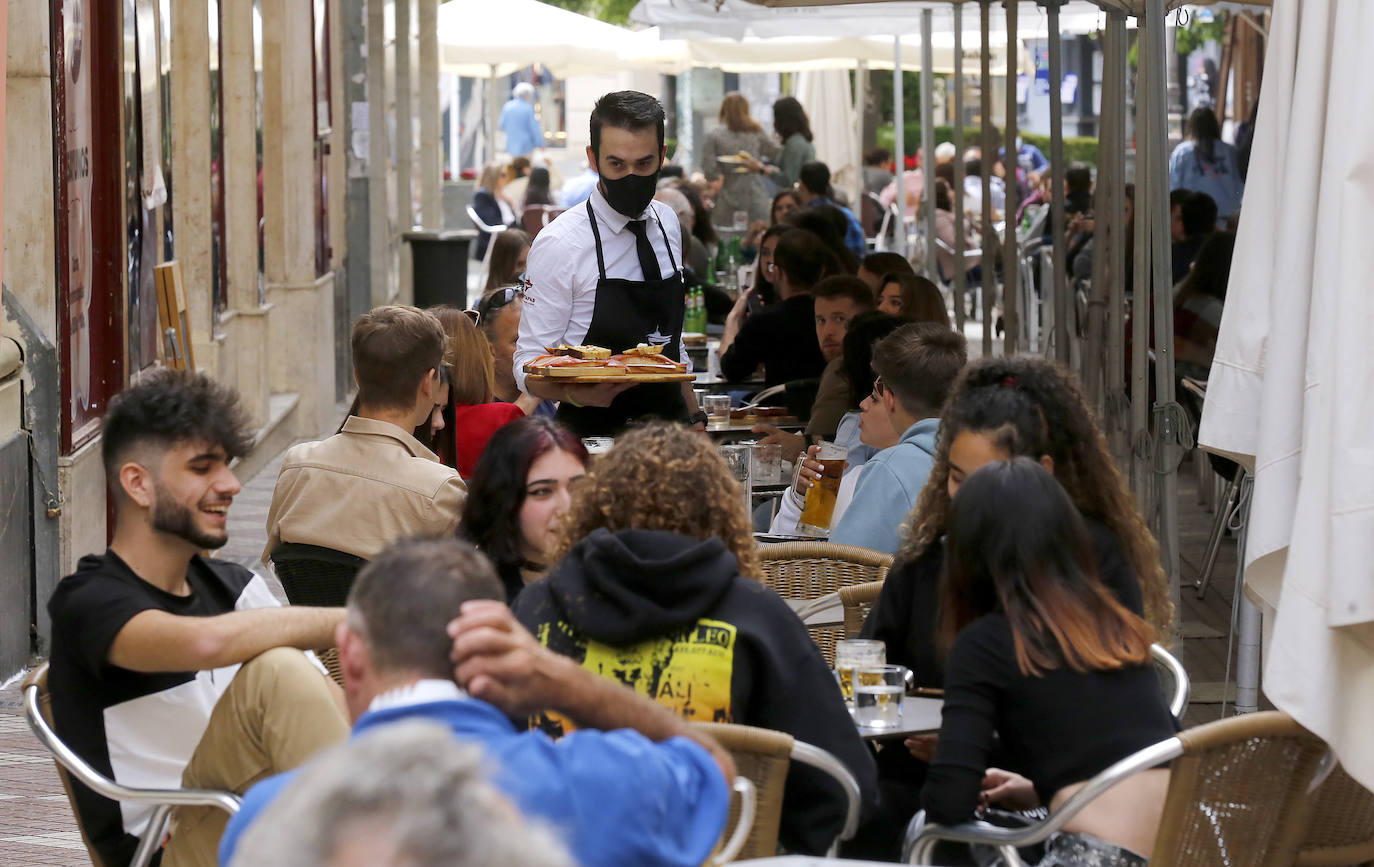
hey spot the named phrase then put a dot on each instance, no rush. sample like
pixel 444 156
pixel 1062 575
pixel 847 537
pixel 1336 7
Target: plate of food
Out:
pixel 739 162
pixel 596 364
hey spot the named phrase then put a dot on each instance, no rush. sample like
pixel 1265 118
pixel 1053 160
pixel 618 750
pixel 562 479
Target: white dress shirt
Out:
pixel 563 273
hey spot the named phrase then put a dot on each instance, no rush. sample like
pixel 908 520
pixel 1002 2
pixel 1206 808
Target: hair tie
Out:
pixel 1010 382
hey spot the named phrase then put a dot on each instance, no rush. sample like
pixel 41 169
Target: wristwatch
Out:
pixel 698 417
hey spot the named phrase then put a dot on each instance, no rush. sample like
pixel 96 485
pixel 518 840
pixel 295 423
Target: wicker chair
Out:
pixel 858 601
pixel 38 709
pixel 763 756
pixel 803 571
pixel 312 575
pixel 1340 830
pixel 1239 794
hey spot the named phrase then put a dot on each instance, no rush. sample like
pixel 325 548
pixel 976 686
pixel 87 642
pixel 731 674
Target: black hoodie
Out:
pixel 671 617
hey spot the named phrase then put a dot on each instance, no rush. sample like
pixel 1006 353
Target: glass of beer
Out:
pixel 819 506
pixel 853 653
pixel 878 693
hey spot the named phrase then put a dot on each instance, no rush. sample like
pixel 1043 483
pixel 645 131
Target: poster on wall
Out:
pixel 77 178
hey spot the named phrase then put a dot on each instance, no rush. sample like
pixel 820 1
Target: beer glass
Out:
pixel 819 506
pixel 852 653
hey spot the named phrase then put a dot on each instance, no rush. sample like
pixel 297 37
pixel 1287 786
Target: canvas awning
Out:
pixel 481 38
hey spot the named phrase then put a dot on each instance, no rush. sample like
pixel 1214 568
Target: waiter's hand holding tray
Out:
pixel 587 365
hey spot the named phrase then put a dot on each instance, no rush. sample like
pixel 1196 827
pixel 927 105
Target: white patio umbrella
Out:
pixel 827 98
pixel 1291 393
pixel 483 38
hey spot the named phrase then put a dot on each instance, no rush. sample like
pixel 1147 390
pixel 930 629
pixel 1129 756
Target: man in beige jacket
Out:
pixel 373 482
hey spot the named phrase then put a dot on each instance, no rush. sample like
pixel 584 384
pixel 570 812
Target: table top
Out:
pixel 920 716
pixel 733 428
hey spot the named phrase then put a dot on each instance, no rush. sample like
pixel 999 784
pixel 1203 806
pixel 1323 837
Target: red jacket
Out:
pixel 473 425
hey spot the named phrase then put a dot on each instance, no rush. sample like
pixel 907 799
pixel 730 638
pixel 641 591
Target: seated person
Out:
pixel 498 315
pixel 828 223
pixel 421 603
pixel 864 330
pixel 1198 305
pixel 914 298
pixel 405 793
pixel 163 668
pixel 914 367
pixel 1046 668
pixel 781 336
pixel 658 588
pixel 837 300
pixel 518 496
pixel 373 482
pixel 473 413
pixel 1197 218
pixel 998 409
pixel 876 265
pixel 813 184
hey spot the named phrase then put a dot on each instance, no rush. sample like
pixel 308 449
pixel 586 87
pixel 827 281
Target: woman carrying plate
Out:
pixel 728 152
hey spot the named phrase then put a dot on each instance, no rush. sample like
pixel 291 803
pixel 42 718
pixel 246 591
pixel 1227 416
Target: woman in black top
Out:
pixel 781 336
pixel 1002 408
pixel 1046 663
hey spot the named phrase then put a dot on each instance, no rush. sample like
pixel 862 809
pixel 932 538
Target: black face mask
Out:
pixel 631 194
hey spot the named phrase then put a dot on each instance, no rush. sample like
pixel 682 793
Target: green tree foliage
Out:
pixel 611 11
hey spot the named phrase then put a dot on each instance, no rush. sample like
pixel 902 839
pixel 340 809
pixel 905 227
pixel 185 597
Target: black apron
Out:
pixel 626 314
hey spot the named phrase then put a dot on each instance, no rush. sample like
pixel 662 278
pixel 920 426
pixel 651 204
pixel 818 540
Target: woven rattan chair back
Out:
pixel 763 756
pixel 39 678
pixel 858 601
pixel 312 575
pixel 1340 829
pixel 801 571
pixel 1238 794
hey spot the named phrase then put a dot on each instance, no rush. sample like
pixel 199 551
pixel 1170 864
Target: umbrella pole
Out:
pixel 860 109
pixel 1011 255
pixel 1061 300
pixel 493 114
pixel 987 154
pixel 1251 623
pixel 928 140
pixel 1168 419
pixel 899 142
pixel 1115 71
pixel 960 239
pixel 1140 296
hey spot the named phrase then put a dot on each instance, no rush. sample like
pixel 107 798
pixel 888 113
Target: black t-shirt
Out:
pixel 781 337
pixel 136 727
pixel 1057 728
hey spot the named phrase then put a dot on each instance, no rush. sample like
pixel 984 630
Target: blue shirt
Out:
pixel 613 797
pixel 854 235
pixel 521 127
pixel 1218 178
pixel 887 491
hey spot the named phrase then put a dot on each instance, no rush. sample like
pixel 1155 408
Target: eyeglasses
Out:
pixel 878 389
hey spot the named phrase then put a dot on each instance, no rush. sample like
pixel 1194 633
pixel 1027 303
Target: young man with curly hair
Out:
pixel 656 587
pixel 169 668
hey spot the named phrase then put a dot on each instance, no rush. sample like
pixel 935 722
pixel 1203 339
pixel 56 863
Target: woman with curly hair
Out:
pixel 1001 408
pixel 518 496
pixel 657 588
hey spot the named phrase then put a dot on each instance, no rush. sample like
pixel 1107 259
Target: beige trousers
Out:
pixel 277 712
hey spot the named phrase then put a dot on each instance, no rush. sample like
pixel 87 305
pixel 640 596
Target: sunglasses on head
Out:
pixel 495 300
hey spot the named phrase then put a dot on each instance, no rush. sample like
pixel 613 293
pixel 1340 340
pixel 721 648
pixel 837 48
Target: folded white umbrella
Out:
pixel 1291 393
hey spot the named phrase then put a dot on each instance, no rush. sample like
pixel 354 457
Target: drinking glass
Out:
pixel 878 695
pixel 739 457
pixel 851 653
pixel 819 506
pixel 767 463
pixel 717 410
pixel 740 222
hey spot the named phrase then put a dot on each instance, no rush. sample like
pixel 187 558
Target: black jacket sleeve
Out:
pixel 746 353
pixel 904 616
pixel 1113 567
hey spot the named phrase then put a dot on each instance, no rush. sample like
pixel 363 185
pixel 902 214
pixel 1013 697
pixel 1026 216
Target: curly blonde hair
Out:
pixel 1038 408
pixel 662 476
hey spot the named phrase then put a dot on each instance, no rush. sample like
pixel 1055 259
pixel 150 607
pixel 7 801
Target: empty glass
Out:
pixel 717 410
pixel 739 457
pixel 767 463
pixel 878 695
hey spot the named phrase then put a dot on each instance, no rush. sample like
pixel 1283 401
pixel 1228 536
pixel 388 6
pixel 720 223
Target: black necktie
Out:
pixel 648 259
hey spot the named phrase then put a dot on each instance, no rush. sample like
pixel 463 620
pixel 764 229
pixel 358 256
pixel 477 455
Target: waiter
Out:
pixel 606 274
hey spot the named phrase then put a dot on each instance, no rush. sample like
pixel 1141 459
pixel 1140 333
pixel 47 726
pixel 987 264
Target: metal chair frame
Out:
pixel 163 800
pixel 493 231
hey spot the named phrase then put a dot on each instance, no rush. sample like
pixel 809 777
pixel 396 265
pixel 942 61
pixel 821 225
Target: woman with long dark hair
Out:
pixel 794 131
pixel 473 413
pixel 912 297
pixel 518 495
pixel 1046 665
pixel 1204 163
pixel 509 253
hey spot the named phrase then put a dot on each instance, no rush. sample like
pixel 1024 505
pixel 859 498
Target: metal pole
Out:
pixel 1251 620
pixel 1116 363
pixel 899 143
pixel 989 244
pixel 1011 255
pixel 1104 239
pixel 928 140
pixel 1168 419
pixel 1140 296
pixel 1060 290
pixel 493 114
pixel 960 241
pixel 860 108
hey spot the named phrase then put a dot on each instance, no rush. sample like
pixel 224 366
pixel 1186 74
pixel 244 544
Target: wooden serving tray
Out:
pixel 636 378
